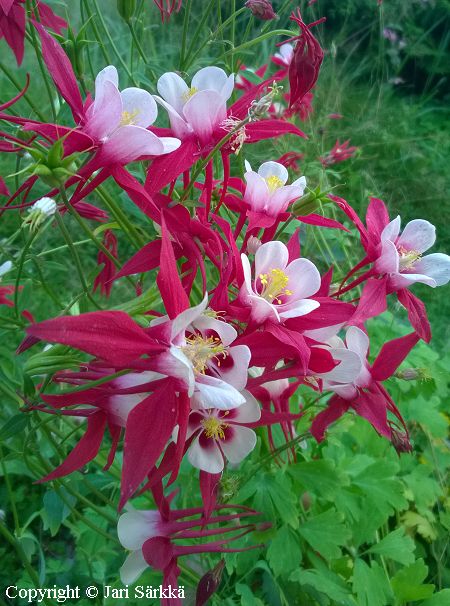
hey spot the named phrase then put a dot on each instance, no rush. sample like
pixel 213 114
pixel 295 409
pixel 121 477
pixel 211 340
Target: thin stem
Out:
pixel 30 102
pixel 187 14
pixel 10 492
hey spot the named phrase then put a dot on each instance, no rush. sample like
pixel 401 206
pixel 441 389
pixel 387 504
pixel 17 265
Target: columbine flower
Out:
pixel 284 57
pixel 221 434
pixel 401 255
pixel 339 153
pixel 40 211
pixel 280 289
pixel 200 355
pixel 262 9
pixel 267 192
pixel 119 119
pixel 200 108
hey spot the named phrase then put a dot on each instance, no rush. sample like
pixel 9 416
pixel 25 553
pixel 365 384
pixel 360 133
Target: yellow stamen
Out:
pixel 408 258
pixel 129 117
pixel 200 351
pixel 274 285
pixel 189 93
pixel 273 183
pixel 214 428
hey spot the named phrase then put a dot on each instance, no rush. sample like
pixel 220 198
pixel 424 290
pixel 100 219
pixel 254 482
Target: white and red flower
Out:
pixel 280 289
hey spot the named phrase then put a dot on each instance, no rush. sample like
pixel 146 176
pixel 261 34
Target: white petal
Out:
pixel 418 235
pixel 273 169
pixel 187 317
pixel 357 341
pixel 226 332
pixel 389 260
pixel 140 106
pixel 128 143
pixel 133 567
pixel 248 166
pixel 204 112
pixel 174 363
pixel 282 197
pixel 323 335
pixel 237 374
pixel 271 255
pixel 248 412
pixel 212 392
pixel 348 369
pixel 247 273
pixel 105 113
pixel 262 310
pixel 173 89
pixel 170 144
pixel 391 231
pixel 299 308
pixel 240 445
pixel 304 279
pixel 108 74
pixel 178 124
pixel 135 527
pixel 214 78
pixel 436 266
pixel 404 280
pixel 347 392
pixel 208 459
pixel 5 267
pixel 301 182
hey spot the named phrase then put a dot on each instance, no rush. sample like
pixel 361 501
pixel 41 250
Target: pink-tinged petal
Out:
pixel 377 217
pixel 174 363
pixel 299 308
pixel 136 526
pixel 389 260
pixel 204 112
pixel 418 235
pixel 226 332
pixel 5 5
pixel 417 314
pixel 120 406
pixel 214 79
pixel 49 19
pixel 392 355
pixel 357 341
pixel 61 71
pixel 186 317
pixel 404 280
pixel 262 310
pixel 391 231
pixel 250 411
pixel 346 392
pixel 236 374
pixel 304 279
pixel 347 370
pixel 435 266
pixel 86 449
pixel 239 443
pixel 104 115
pixel 133 567
pixel 314 219
pixel 323 335
pixel 128 143
pixel 300 182
pixel 282 197
pixel 271 255
pixel 178 124
pixel 208 459
pixel 211 392
pixel 144 260
pixel 372 302
pixel 273 169
pixel 110 335
pixel 140 107
pixel 173 89
pixel 256 191
pixel 107 74
pixel 148 430
pixel 173 294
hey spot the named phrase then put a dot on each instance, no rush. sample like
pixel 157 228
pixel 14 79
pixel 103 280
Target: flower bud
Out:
pixel 310 202
pixel 40 211
pixel 126 9
pixel 262 9
pixel 413 374
pixel 209 583
pixel 253 244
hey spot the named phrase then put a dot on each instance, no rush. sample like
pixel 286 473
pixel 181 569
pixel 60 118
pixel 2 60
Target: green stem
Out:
pixel 121 218
pixel 276 32
pixel 30 102
pixel 102 47
pixel 27 245
pixel 10 492
pixel 140 49
pixel 187 14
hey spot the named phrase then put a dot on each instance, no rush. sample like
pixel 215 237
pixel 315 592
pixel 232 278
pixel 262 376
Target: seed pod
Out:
pixel 126 9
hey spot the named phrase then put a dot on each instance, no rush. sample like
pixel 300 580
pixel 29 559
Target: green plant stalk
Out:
pixel 187 14
pixel 76 259
pixel 25 249
pixel 25 96
pixel 106 57
pixel 250 43
pixel 196 34
pixel 23 558
pixel 121 218
pixel 10 492
pixel 139 48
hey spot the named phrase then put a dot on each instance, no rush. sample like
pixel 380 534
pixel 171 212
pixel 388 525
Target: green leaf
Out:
pixel 381 488
pixel 407 583
pixel 326 582
pixel 442 598
pixel 320 477
pixel 396 546
pixel 325 533
pixel 247 597
pixel 371 584
pixel 284 553
pixel 16 424
pixel 55 509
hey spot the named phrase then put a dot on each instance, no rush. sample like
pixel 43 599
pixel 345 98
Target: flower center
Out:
pixel 214 428
pixel 408 258
pixel 274 285
pixel 129 117
pixel 200 351
pixel 273 183
pixel 189 93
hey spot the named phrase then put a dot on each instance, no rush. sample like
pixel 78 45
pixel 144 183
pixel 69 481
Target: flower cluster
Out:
pixel 244 319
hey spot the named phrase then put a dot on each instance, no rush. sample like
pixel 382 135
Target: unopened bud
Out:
pixel 209 583
pixel 262 9
pixel 400 441
pixel 253 244
pixel 414 374
pixel 310 202
pixel 126 9
pixel 260 107
pixel 40 211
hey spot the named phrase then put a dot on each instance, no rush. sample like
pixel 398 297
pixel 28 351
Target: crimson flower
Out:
pixel 339 153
